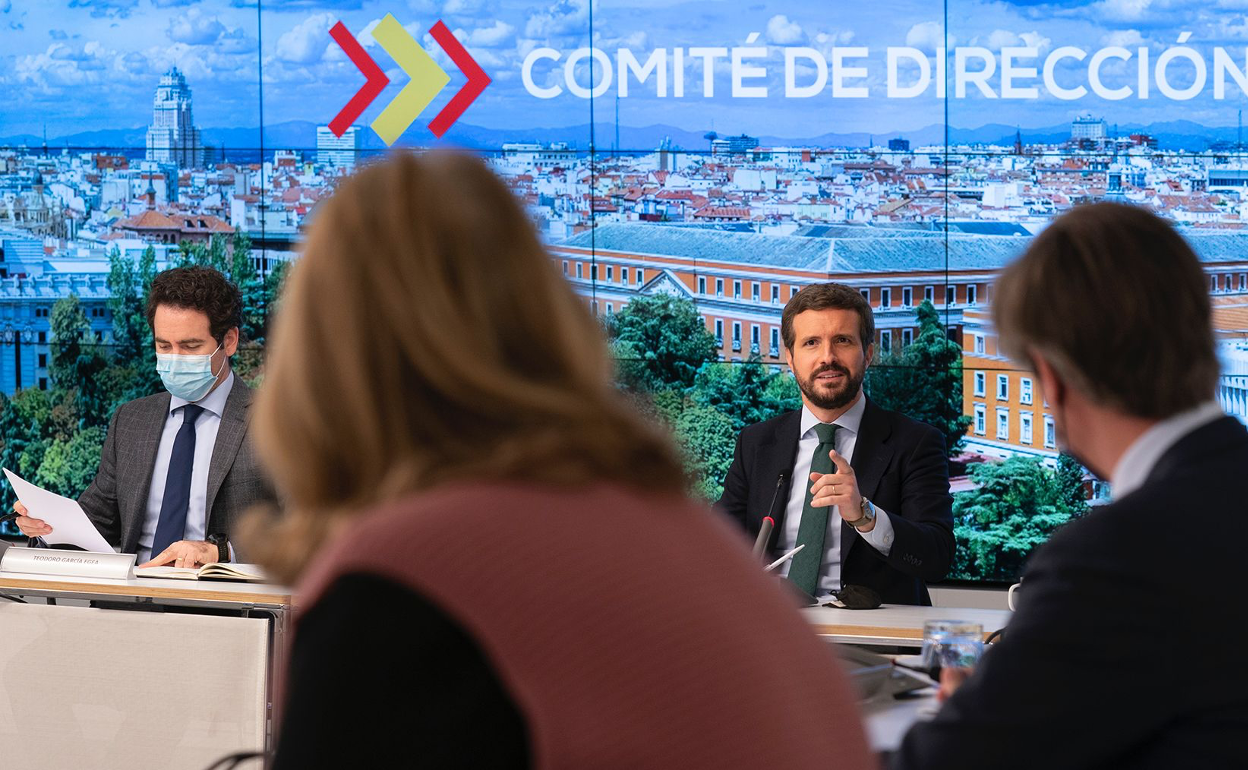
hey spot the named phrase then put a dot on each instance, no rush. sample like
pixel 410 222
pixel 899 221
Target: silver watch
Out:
pixel 868 515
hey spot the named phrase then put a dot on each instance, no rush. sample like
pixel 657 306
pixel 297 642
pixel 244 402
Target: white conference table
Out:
pixel 885 718
pixel 219 594
pixel 82 686
pixel 894 624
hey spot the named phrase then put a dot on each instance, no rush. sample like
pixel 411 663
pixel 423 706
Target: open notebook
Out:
pixel 250 573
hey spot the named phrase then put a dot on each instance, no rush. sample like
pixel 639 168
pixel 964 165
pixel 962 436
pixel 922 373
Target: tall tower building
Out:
pixel 338 152
pixel 172 137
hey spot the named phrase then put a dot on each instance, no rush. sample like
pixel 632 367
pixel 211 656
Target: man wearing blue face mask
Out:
pixel 177 468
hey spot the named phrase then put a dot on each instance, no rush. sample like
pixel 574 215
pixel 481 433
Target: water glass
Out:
pixel 951 644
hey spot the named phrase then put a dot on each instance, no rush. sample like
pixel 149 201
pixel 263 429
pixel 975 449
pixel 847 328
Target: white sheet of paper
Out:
pixel 68 522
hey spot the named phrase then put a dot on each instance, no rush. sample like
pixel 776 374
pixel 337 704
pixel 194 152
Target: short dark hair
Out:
pixel 202 289
pixel 828 296
pixel 1116 301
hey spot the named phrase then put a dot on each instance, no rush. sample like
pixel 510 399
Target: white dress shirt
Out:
pixel 880 538
pixel 1137 462
pixel 206 428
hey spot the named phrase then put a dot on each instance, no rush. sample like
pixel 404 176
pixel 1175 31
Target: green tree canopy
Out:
pixel 746 392
pixel 77 360
pixel 1016 505
pixel 707 438
pixel 659 343
pixel 704 435
pixel 68 465
pixel 145 381
pixel 17 427
pixel 924 380
pixel 125 304
pixel 1071 491
pixel 242 272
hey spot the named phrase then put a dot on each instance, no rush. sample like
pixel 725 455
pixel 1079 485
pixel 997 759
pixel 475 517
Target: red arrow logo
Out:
pixel 477 80
pixel 375 82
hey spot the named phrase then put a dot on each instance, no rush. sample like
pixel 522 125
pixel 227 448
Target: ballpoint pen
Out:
pixel 784 558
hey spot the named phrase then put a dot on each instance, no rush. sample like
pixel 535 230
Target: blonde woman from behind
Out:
pixel 496 561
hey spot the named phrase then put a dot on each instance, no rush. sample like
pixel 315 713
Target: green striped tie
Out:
pixel 814 525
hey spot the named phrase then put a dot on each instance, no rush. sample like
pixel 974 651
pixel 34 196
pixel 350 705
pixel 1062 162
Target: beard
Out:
pixel 831 397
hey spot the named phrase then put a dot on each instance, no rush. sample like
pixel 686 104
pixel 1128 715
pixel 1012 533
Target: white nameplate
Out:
pixel 48 561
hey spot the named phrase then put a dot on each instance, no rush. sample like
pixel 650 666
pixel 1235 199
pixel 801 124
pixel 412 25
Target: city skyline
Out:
pixel 112 52
pixel 734 233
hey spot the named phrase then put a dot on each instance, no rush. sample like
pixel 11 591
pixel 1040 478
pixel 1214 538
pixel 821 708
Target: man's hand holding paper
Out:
pixel 54 513
pixel 30 527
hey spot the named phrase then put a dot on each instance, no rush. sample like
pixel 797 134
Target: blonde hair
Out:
pixel 425 337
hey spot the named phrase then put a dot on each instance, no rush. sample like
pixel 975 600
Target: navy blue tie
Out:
pixel 172 524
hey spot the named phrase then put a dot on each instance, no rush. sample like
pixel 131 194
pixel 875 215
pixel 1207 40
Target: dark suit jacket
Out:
pixel 116 501
pixel 901 467
pixel 1127 647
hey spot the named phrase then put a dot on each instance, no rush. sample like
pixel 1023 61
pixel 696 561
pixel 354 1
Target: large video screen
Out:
pixel 690 165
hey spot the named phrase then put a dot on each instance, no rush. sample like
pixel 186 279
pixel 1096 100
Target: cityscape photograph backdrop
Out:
pixel 690 166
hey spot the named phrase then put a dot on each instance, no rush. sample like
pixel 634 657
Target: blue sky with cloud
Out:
pixel 78 65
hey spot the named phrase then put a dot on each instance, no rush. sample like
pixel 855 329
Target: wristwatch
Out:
pixel 222 542
pixel 868 515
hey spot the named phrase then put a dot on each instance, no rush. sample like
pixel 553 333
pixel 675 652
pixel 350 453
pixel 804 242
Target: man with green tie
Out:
pixel 863 489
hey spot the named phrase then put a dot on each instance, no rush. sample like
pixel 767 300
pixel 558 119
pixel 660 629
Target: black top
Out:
pixel 379 677
pixel 1126 650
pixel 900 466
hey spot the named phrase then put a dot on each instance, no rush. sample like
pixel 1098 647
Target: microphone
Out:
pixel 764 532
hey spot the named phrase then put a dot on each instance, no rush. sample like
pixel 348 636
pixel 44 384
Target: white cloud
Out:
pixel 133 63
pixel 463 7
pixel 563 17
pixel 61 65
pixel 1036 40
pixel 636 41
pixel 1122 10
pixel 1003 38
pixel 491 37
pixel 236 41
pixel 194 28
pixel 306 43
pixel 365 37
pixel 842 37
pixel 1123 38
pixel 928 36
pixel 781 31
pixel 489 59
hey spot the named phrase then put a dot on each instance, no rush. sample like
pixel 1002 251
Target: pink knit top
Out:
pixel 632 631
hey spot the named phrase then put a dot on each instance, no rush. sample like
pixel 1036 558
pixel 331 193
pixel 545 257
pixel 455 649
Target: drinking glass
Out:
pixel 951 644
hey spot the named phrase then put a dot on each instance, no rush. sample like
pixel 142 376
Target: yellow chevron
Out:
pixel 427 79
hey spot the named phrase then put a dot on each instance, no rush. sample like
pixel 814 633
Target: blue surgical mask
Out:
pixel 187 377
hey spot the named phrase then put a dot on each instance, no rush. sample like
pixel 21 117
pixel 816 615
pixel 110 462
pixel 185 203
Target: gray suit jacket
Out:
pixel 116 501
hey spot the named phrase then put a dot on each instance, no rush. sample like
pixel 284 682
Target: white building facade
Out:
pixel 338 152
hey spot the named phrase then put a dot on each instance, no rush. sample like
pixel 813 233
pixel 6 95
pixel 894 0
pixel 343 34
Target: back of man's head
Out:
pixel 1116 302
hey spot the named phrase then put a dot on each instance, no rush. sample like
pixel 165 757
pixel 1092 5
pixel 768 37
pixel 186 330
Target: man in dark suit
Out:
pixel 1126 649
pixel 863 489
pixel 176 468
